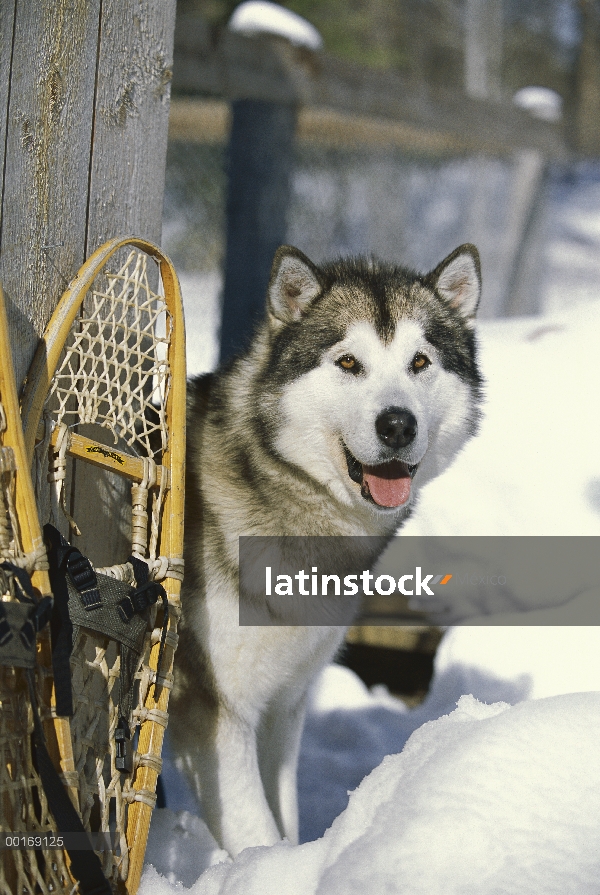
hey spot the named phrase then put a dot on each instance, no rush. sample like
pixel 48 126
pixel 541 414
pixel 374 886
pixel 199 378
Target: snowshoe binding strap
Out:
pixel 87 599
pixel 20 618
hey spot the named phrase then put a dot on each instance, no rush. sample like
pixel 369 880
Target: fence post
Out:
pixel 260 157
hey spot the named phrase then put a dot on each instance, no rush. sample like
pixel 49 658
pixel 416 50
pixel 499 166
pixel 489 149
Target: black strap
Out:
pixel 22 578
pixel 20 619
pixel 85 864
pixel 163 634
pixel 84 579
pixel 61 627
pixel 6 634
pixel 140 570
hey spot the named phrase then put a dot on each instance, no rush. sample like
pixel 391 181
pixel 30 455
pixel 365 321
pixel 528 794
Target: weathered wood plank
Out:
pixel 269 68
pixel 7 18
pixel 130 123
pixel 47 162
pixel 208 121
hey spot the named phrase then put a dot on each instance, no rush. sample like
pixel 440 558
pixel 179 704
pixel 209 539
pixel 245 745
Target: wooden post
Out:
pixel 84 102
pixel 261 148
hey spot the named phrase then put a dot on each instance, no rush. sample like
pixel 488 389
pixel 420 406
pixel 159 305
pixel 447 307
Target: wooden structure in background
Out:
pixel 259 168
pixel 587 123
pixel 483 48
pixel 272 70
pixel 343 104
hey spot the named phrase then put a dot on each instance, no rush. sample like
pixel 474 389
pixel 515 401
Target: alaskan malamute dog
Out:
pixel 361 386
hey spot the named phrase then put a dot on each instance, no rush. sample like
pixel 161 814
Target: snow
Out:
pixel 200 293
pixel 516 662
pixel 492 799
pixel 541 102
pixel 262 17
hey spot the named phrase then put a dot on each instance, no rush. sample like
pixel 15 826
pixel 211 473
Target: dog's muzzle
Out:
pixel 386 484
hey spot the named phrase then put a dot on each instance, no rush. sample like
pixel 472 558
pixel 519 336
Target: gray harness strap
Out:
pixel 95 602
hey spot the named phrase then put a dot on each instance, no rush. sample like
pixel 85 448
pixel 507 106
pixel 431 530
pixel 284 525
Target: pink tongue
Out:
pixel 388 484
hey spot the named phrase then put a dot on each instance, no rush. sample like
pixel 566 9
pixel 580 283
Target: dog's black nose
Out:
pixel 395 427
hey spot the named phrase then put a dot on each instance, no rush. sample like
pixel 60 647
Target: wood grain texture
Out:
pixel 84 97
pixel 7 17
pixel 84 101
pixel 46 167
pixel 131 120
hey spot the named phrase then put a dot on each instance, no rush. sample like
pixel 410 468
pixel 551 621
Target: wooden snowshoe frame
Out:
pixel 105 400
pixel 23 805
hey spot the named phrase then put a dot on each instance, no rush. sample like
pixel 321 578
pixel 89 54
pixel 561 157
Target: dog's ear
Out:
pixel 458 280
pixel 294 284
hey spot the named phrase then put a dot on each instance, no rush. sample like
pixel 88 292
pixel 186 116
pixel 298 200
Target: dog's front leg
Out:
pixel 278 748
pixel 233 796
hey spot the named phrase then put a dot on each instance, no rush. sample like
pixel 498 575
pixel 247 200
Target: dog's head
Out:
pixel 371 385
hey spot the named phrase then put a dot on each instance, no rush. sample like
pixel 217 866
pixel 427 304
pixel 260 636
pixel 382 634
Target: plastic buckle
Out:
pixel 124 752
pixel 139 599
pixel 84 580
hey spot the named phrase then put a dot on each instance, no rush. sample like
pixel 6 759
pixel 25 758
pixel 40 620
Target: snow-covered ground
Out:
pixel 483 799
pixel 492 786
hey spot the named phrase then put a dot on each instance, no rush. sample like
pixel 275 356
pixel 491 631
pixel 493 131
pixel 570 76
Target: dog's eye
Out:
pixel 420 362
pixel 349 362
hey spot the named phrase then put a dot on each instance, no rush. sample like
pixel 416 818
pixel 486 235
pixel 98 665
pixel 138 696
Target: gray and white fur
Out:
pixel 361 386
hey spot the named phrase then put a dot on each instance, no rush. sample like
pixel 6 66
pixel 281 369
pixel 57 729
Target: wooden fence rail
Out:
pixel 270 69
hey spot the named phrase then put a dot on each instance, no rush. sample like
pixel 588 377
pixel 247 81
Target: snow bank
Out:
pixel 514 663
pixel 350 731
pixel 463 809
